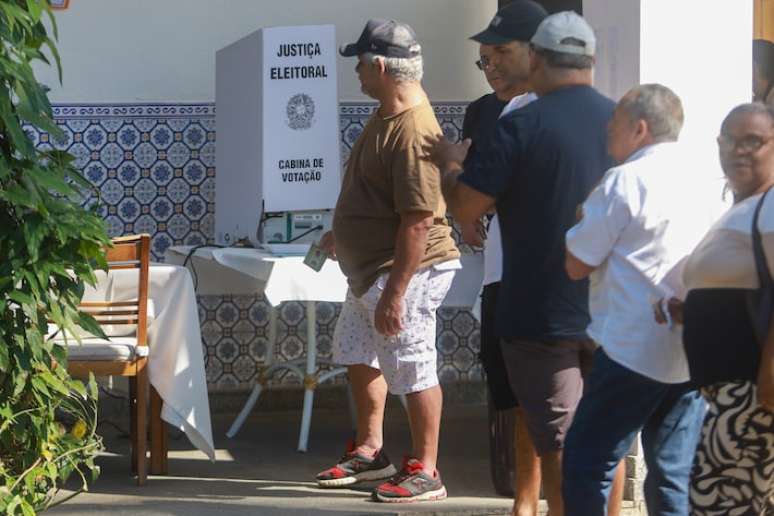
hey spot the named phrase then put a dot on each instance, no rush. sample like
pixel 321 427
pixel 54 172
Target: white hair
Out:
pixel 402 69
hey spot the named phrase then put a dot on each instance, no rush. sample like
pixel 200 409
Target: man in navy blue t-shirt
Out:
pixel 542 163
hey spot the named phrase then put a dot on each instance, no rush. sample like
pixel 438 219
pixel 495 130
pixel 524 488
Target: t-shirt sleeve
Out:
pixel 606 213
pixel 490 168
pixel 416 181
pixel 472 115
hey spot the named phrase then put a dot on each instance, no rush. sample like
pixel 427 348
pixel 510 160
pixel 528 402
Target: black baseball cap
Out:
pixel 388 38
pixel 517 21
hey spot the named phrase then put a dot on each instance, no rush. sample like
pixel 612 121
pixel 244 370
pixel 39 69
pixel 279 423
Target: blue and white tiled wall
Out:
pixel 153 167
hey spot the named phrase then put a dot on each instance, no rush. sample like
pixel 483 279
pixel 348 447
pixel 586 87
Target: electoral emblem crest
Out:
pixel 300 111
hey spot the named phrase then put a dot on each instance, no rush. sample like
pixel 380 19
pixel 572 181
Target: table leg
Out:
pixel 272 337
pixel 248 406
pixel 310 380
pixel 258 387
pixel 159 435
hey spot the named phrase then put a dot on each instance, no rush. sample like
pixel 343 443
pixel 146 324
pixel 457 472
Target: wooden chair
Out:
pixel 127 355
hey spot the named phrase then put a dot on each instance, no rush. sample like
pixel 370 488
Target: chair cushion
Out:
pixel 93 349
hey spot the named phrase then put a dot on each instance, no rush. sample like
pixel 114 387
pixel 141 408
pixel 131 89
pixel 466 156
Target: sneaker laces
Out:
pixel 349 453
pixel 352 452
pixel 411 467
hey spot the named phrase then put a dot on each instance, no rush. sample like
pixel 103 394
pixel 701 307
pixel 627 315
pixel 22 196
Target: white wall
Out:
pixel 164 50
pixel 701 50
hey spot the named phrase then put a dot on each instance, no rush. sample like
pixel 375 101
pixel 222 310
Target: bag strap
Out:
pixel 764 275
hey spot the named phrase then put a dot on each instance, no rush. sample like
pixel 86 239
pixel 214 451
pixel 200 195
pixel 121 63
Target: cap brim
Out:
pixel 489 37
pixel 350 50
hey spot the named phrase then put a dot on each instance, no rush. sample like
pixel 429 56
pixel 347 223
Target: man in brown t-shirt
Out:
pixel 393 243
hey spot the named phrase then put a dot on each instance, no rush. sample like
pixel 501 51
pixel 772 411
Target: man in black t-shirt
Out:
pixel 504 51
pixel 543 161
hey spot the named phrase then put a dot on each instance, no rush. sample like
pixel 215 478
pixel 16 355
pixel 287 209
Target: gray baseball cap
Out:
pixel 389 38
pixel 567 33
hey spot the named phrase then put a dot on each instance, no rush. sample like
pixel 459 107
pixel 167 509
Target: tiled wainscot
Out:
pixel 153 168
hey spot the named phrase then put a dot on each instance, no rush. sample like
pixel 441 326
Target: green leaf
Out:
pixel 54 382
pixel 79 388
pixel 19 138
pixel 39 384
pixel 50 181
pixel 15 502
pixel 19 196
pixel 21 297
pixel 27 509
pixel 34 232
pixel 52 20
pixel 89 324
pixel 49 248
pixel 5 359
pixel 35 9
pixel 93 389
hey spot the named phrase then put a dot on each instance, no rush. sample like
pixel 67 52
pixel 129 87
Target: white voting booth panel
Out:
pixel 700 50
pixel 277 125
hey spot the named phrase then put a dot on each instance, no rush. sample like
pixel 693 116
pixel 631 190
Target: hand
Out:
pixel 328 244
pixel 674 307
pixel 766 384
pixel 473 233
pixel 388 314
pixel 447 155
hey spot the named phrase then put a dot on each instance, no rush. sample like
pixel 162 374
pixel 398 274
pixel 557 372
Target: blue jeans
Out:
pixel 617 404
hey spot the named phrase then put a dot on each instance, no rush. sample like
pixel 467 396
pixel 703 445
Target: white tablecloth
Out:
pixel 176 364
pixel 286 278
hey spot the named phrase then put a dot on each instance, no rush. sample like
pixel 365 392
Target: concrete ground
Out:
pixel 259 471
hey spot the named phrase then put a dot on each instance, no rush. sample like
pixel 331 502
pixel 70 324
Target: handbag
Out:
pixel 760 302
pixel 724 328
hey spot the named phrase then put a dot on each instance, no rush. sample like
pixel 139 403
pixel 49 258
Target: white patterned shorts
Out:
pixel 407 360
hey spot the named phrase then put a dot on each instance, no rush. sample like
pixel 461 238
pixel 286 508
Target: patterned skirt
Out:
pixel 733 472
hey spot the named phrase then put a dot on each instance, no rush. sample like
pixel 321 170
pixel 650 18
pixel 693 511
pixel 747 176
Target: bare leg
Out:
pixel 527 485
pixel 617 490
pixel 370 392
pixel 424 411
pixel 551 468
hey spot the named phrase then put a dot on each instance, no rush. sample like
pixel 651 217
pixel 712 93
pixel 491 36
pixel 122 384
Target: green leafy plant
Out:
pixel 50 247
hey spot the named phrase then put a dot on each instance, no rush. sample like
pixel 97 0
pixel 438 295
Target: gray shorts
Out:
pixel 547 378
pixel 407 360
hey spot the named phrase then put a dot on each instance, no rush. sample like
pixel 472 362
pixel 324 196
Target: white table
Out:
pixel 285 278
pixel 175 361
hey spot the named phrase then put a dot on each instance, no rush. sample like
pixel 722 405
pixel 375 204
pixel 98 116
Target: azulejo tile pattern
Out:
pixel 153 169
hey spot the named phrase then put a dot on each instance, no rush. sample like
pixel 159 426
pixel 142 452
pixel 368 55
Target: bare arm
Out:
pixel 410 244
pixel 464 203
pixel 473 233
pixel 576 269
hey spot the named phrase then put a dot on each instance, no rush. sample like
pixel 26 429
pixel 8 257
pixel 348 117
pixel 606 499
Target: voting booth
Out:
pixel 700 50
pixel 277 158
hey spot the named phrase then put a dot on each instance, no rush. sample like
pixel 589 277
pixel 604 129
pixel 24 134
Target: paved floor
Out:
pixel 259 471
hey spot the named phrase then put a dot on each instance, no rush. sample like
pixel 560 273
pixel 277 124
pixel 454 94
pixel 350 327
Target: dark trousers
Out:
pixel 501 398
pixel 619 403
pixel 491 354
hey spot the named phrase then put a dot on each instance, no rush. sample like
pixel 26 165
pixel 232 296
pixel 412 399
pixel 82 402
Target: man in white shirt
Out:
pixel 635 228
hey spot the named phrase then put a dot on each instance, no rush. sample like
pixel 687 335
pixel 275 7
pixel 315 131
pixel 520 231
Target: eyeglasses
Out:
pixel 483 63
pixel 748 144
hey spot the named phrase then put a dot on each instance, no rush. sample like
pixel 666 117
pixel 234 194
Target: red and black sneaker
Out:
pixel 355 467
pixel 412 484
